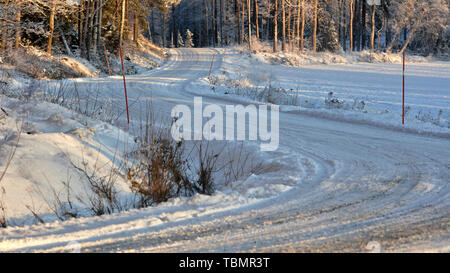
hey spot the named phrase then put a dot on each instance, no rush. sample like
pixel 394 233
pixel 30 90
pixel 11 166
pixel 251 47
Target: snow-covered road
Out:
pixel 357 183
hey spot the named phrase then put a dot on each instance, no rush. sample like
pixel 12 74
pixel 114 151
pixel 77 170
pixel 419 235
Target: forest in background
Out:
pixel 318 25
pixel 83 27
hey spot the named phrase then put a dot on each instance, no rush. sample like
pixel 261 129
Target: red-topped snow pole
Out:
pixel 403 104
pixel 124 84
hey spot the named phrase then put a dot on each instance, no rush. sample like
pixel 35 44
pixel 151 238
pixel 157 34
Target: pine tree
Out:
pixel 328 38
pixel 189 39
pixel 180 42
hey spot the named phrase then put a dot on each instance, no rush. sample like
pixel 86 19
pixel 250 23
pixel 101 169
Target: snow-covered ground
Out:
pixel 340 179
pixel 369 93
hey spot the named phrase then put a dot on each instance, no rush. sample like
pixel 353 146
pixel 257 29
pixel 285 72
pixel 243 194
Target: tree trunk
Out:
pixel 152 25
pixel 249 16
pixel 4 31
pixel 66 45
pixel 136 28
pixel 18 20
pixel 372 36
pixel 302 32
pixel 99 22
pixel 357 24
pixel 80 24
pixel 394 41
pixel 275 28
pixel 95 29
pixel 379 35
pixel 221 22
pixel 257 20
pixel 363 26
pixel 174 32
pixel 242 21
pixel 344 25
pixel 352 7
pixel 411 35
pixel 283 24
pixel 122 23
pixel 298 23
pixel 206 38
pixel 164 31
pixel 238 10
pixel 90 33
pixel 289 29
pixel 52 28
pixel 315 26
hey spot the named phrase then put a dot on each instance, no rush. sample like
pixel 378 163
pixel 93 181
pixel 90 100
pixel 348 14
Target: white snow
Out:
pixel 336 183
pixel 378 86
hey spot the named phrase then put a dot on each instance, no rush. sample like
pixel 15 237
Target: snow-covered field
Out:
pixel 370 93
pixel 340 179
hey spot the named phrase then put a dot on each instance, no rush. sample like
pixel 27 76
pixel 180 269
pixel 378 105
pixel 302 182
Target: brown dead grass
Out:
pixel 38 65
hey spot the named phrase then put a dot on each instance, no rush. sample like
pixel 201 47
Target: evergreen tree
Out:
pixel 328 38
pixel 189 39
pixel 180 42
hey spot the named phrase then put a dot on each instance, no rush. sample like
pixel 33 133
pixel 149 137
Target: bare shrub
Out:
pixel 160 168
pixel 59 93
pixel 86 102
pixel 203 173
pixel 240 163
pixel 61 203
pixel 156 166
pixel 102 194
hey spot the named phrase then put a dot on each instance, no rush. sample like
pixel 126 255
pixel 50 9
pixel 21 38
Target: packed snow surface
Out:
pixel 341 178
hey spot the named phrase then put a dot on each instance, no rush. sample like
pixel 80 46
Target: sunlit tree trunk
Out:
pixel 257 20
pixel 122 23
pixel 298 23
pixel 289 29
pixel 249 25
pixel 372 36
pixel 283 24
pixel 315 26
pixel 18 21
pixel 4 31
pixel 275 27
pixel 302 32
pixel 51 28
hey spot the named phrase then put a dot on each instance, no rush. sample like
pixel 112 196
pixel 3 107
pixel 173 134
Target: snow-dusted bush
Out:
pixel 427 116
pixel 160 168
pixel 333 103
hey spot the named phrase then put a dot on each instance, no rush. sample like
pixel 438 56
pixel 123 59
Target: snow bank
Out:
pixel 52 141
pixel 263 52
